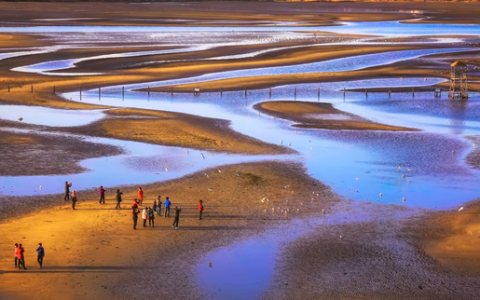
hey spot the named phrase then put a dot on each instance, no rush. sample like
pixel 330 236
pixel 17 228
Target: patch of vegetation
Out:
pixel 252 178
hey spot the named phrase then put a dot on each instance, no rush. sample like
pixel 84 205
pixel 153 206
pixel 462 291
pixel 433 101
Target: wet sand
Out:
pixel 37 154
pixel 94 252
pixel 379 257
pixel 453 239
pixel 321 116
pixel 176 129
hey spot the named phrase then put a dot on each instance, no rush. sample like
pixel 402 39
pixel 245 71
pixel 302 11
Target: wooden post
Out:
pixel 318 94
pixel 245 92
pixel 172 90
pixel 366 92
pixel 389 91
pixel 221 92
pixel 123 91
pixel 54 90
pixel 31 89
pixel 270 93
pixel 80 93
pixel 99 93
pixel 344 92
pixel 413 92
pixel 149 90
pixel 295 93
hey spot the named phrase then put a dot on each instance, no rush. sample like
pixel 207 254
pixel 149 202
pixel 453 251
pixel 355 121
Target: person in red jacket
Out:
pixel 200 208
pixel 140 195
pixel 135 204
pixel 21 258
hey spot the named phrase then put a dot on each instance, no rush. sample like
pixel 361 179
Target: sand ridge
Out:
pixel 321 116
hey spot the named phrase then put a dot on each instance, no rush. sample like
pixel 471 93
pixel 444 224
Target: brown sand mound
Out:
pixel 453 238
pixel 321 116
pixel 176 129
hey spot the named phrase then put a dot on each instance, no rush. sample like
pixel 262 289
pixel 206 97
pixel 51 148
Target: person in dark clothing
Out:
pixel 155 206
pixel 41 254
pixel 159 207
pixel 74 199
pixel 102 195
pixel 67 191
pixel 135 213
pixel 151 217
pixel 21 257
pixel 177 217
pixel 119 199
pixel 16 259
pixel 200 209
pixel 166 204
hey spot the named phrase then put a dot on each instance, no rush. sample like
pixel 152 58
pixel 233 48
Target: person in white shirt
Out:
pixel 145 216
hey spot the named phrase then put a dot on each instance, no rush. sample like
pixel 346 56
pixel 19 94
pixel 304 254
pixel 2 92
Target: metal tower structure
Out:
pixel 458 80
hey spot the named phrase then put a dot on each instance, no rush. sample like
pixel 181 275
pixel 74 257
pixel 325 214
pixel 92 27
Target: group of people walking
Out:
pixel 148 213
pixel 20 257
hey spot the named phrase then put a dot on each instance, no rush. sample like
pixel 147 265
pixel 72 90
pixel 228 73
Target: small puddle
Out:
pixel 38 115
pixel 241 271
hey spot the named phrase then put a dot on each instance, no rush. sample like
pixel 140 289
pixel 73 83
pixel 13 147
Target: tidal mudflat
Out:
pixel 320 137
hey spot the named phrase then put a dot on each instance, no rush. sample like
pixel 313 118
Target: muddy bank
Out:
pixel 36 154
pixel 375 258
pixel 96 247
pixel 321 116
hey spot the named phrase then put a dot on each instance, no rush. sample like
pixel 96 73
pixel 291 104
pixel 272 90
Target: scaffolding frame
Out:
pixel 458 80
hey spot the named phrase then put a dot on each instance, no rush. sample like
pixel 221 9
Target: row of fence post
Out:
pixel 221 91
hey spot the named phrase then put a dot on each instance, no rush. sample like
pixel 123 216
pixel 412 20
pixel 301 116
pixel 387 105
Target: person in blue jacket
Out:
pixel 41 254
pixel 166 204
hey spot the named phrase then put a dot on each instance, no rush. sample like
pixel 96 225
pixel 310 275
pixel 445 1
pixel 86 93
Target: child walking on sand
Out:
pixel 74 199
